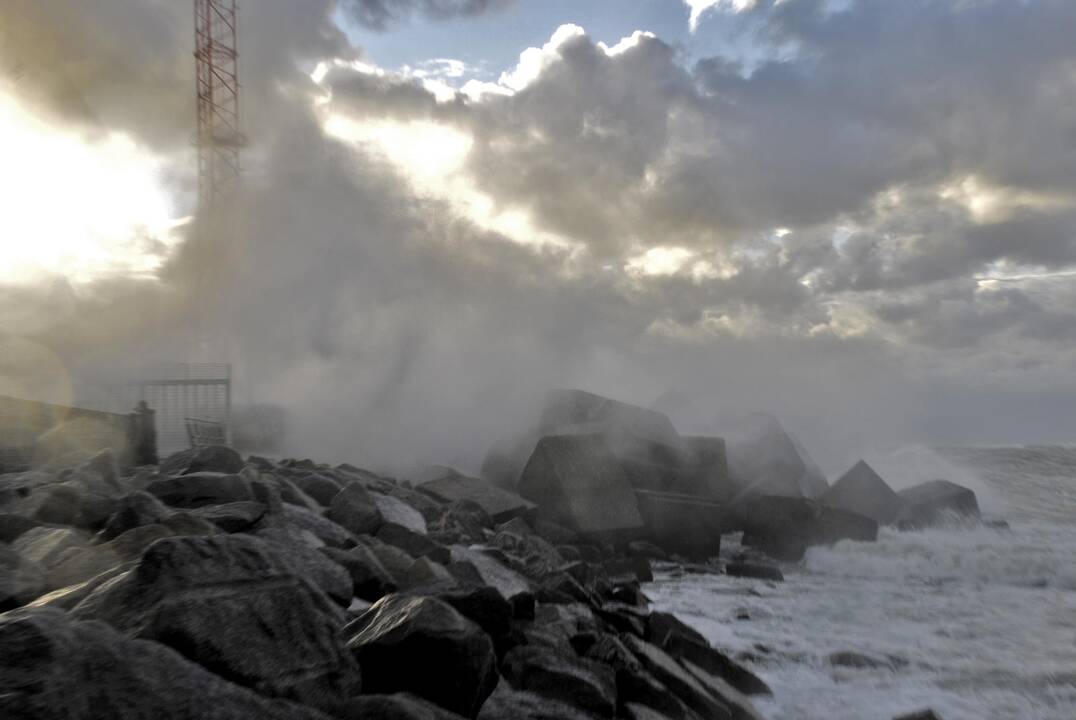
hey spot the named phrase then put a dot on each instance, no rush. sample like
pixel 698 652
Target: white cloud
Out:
pixel 700 7
pixel 533 60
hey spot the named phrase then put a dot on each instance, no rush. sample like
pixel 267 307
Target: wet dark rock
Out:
pixel 239 607
pixel 660 624
pixel 133 510
pixel 850 659
pixel 369 578
pixel 461 522
pixel 754 570
pixel 68 597
pixel 501 505
pixel 214 459
pixel 78 565
pixel 482 604
pixel 635 711
pixel 861 490
pixel 569 552
pixel 12 526
pixel 46 545
pixel 539 557
pixel 393 559
pixel 47 663
pixel 646 549
pixel 556 624
pixel 636 567
pixel 413 543
pixel 198 489
pixel 329 575
pixel 512 586
pixel 508 704
pixel 401 706
pixel 354 509
pixel 319 487
pixel 232 517
pixel 740 707
pixel 695 649
pixel 396 511
pixel 927 714
pixel 634 683
pixel 423 646
pixel 318 525
pixel 577 481
pixel 424 572
pixel 554 533
pixel 588 685
pixel 623 618
pixel 21 580
pixel 784 527
pixel 934 503
pixel 562 588
pixel 676 678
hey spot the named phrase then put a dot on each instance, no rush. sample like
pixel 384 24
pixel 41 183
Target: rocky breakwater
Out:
pixel 217 586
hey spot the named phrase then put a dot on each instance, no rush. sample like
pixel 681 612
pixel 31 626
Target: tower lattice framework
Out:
pixel 219 138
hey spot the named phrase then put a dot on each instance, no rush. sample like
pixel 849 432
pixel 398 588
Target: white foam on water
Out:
pixel 976 623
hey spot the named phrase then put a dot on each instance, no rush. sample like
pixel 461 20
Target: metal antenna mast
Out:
pixel 219 138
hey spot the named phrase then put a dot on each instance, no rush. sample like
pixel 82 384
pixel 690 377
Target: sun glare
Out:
pixel 77 208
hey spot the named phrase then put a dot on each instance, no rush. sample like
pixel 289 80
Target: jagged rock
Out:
pixel 479 603
pixel 575 480
pixel 501 505
pixel 290 492
pixel 554 533
pixel 423 646
pixel 462 522
pixel 354 509
pixel 232 517
pixel 214 459
pixel 414 544
pixel 393 559
pixel 692 647
pixel 68 597
pixel 238 606
pixel 555 625
pixel 21 580
pixel 396 511
pixel 765 459
pixel 588 685
pixel 560 587
pixel 861 490
pixel 133 510
pixel 332 577
pixel 46 545
pixel 512 586
pixel 619 422
pixel 508 704
pixel 633 683
pixel 686 525
pixel 202 488
pixel 401 706
pixel 707 473
pixel 369 578
pixel 623 618
pixel 424 572
pixel 319 487
pixel 783 527
pixel 754 570
pixel 321 527
pixel 12 526
pixel 52 667
pixel 660 624
pixel 677 679
pixel 934 502
pixel 740 707
pixel 77 565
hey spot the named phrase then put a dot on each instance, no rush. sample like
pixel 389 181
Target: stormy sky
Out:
pixel 857 215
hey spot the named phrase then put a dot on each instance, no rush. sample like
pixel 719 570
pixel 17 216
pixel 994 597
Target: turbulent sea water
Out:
pixel 976 623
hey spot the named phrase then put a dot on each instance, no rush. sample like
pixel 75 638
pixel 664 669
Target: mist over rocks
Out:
pixel 351 593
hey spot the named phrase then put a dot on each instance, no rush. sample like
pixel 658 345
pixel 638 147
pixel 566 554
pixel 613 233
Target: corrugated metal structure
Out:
pixel 187 395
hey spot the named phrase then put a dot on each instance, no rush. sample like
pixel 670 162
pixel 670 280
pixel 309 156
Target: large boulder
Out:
pixel 708 471
pixel 423 646
pixel 47 545
pixel 355 510
pixel 133 510
pixel 587 684
pixel 766 459
pixel 369 578
pixel 238 606
pixel 499 504
pixel 398 512
pixel 861 490
pixel 213 458
pixel 21 580
pixel 675 677
pixel 622 424
pixel 936 502
pixel 202 488
pixel 414 544
pixel 784 527
pixel 321 488
pixel 512 586
pixel 577 481
pixel 232 517
pixel 53 667
pixel 686 524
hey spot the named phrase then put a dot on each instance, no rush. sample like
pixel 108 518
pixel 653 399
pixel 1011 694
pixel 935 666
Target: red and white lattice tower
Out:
pixel 219 138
